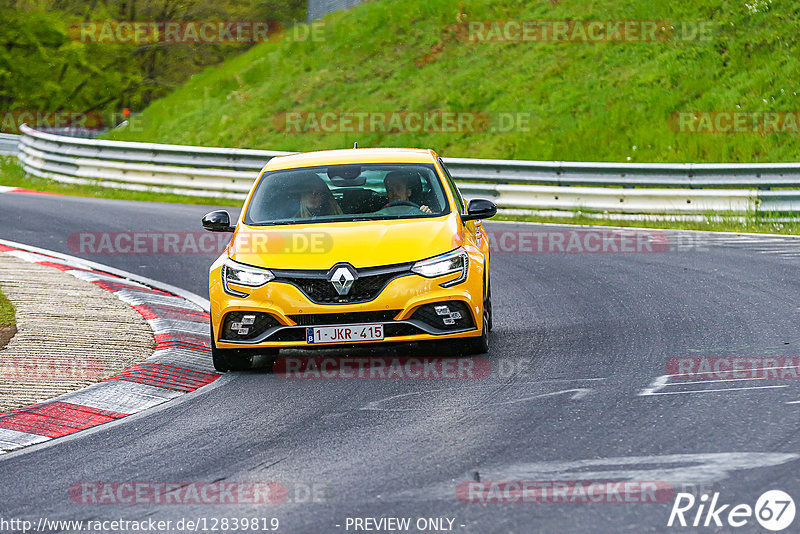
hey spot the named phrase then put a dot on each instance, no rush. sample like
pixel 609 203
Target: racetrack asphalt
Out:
pixel 579 342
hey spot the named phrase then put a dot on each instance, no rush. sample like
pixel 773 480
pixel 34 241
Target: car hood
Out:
pixel 361 243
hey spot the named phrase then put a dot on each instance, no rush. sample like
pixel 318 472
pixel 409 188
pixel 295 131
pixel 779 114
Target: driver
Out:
pixel 316 200
pixel 398 190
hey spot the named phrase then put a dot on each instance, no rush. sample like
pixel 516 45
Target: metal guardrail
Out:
pixel 691 175
pixel 8 144
pixel 642 188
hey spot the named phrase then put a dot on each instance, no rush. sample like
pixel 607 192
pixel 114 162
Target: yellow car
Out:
pixel 344 247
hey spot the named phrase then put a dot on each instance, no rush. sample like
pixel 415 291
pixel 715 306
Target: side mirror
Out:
pixel 217 221
pixel 480 208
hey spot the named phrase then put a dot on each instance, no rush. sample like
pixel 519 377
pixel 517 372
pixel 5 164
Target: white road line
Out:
pixel 728 240
pixel 712 381
pixel 656 385
pixel 577 394
pixel 733 379
pixel 675 469
pixel 546 381
pixel 713 390
pixel 771 240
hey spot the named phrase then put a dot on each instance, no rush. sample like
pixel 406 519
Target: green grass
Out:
pixel 6 311
pixel 606 101
pixel 11 174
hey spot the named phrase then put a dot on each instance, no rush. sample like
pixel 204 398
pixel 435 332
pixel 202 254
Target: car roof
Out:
pixel 351 156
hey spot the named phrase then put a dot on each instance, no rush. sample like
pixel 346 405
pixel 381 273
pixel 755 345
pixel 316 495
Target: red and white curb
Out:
pixel 7 189
pixel 180 363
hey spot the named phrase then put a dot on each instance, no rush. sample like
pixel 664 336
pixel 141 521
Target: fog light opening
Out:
pixel 453 315
pixel 241 326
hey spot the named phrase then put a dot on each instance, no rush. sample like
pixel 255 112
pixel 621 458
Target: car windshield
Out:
pixel 346 193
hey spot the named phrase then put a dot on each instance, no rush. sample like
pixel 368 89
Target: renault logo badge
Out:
pixel 342 278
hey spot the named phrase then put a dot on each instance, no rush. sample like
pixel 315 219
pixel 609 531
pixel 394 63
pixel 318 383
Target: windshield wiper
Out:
pixel 285 223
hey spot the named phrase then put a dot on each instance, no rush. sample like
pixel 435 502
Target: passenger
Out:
pixel 316 200
pixel 398 190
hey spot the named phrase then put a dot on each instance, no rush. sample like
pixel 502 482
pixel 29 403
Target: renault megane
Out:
pixel 344 247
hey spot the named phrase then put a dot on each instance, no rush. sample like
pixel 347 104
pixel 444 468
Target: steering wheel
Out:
pixel 403 203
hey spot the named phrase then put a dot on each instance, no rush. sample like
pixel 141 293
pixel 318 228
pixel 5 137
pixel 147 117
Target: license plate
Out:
pixel 341 334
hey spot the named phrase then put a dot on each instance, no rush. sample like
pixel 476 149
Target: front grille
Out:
pixel 288 334
pixel 316 319
pixel 322 292
pixel 428 314
pixel 401 329
pixel 246 325
pixel 316 286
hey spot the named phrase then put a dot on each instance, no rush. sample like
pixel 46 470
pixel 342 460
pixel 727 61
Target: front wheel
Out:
pixel 230 359
pixel 477 345
pixel 235 359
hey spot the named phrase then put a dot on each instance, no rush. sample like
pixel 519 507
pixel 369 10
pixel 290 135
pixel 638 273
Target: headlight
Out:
pixel 243 275
pixel 452 262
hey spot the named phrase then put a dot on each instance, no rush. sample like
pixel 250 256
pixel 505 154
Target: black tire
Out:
pixel 477 345
pixel 230 359
pixel 235 359
pixel 487 303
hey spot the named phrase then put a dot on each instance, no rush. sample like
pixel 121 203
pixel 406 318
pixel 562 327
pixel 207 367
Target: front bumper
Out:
pixel 403 306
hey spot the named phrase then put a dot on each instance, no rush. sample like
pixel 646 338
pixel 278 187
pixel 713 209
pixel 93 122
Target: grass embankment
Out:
pixel 8 321
pixel 587 101
pixel 600 101
pixel 7 317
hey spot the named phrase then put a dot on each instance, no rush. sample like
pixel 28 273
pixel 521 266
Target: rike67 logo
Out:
pixel 774 510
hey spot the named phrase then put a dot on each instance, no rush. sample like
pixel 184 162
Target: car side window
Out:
pixel 453 189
